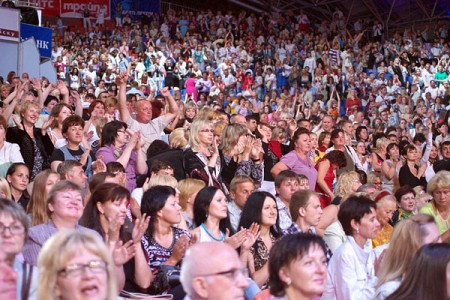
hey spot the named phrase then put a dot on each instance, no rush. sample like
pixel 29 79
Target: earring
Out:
pixel 288 281
pixel 357 230
pixel 207 215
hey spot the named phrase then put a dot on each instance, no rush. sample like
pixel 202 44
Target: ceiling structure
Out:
pixel 392 13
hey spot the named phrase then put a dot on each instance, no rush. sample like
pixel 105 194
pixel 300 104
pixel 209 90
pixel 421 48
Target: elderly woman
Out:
pixel 299 160
pixel 386 205
pixel 9 153
pixel 439 207
pixel 351 272
pixel 297 267
pixel 123 146
pixel 64 209
pixel 35 144
pixel 76 265
pixel 241 154
pixel 201 158
pixel 406 202
pixel 13 232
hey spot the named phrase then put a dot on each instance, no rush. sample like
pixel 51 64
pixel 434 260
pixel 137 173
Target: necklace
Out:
pixel 213 237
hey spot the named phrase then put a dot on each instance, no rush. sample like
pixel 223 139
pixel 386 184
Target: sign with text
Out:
pixel 9 24
pixel 42 36
pixel 136 9
pixel 75 8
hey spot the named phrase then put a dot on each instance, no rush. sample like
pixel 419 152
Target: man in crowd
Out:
pixel 241 187
pixel 150 129
pixel 221 276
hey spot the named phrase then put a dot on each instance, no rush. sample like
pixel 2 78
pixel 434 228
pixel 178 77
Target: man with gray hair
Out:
pixel 213 270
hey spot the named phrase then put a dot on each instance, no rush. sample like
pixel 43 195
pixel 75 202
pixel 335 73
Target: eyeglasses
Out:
pixel 232 274
pixel 207 130
pixel 14 229
pixel 377 183
pixel 76 270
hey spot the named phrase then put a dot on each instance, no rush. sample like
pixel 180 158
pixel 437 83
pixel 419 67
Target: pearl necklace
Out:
pixel 212 236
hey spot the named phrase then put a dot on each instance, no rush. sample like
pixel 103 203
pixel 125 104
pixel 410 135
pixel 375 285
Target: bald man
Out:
pixel 213 270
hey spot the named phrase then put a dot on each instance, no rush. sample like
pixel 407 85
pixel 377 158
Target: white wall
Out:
pixel 8 57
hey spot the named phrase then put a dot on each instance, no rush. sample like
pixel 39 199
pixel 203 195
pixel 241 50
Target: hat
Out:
pixel 248 71
pixel 176 88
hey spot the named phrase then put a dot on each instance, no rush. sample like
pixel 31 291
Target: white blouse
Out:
pixel 351 273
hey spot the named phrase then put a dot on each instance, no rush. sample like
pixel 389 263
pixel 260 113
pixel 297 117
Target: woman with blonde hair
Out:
pixel 178 138
pixel 201 159
pixel 334 235
pixel 378 155
pixel 36 208
pixel 241 154
pixel 439 207
pixel 189 189
pixel 5 190
pixel 347 183
pixel 35 143
pixel 408 236
pixel 62 267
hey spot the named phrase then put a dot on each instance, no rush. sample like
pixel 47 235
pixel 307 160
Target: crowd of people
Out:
pixel 221 156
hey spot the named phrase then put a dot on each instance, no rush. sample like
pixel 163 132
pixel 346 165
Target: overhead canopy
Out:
pixel 392 13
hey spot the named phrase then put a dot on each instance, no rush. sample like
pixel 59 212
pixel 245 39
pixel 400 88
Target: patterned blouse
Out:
pixel 156 254
pixel 260 254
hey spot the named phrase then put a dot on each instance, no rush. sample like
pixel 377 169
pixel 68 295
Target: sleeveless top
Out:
pixel 69 156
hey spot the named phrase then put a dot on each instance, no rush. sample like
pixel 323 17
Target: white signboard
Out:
pixel 9 24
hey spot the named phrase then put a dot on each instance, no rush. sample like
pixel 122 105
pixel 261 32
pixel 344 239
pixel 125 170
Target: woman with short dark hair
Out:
pixel 164 244
pixel 297 267
pixel 351 271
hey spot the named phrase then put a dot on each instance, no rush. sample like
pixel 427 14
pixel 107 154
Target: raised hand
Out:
pixel 179 249
pixel 36 84
pixel 251 235
pixel 165 92
pixel 140 227
pixel 99 166
pixel 62 87
pixel 16 121
pixel 236 239
pixel 122 253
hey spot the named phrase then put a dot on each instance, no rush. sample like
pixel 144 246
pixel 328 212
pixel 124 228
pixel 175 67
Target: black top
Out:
pixel 25 142
pixel 405 177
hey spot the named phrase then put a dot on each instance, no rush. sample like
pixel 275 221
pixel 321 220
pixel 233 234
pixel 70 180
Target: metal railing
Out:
pixel 167 5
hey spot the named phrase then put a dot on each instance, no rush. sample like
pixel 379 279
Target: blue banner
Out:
pixel 42 36
pixel 135 8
